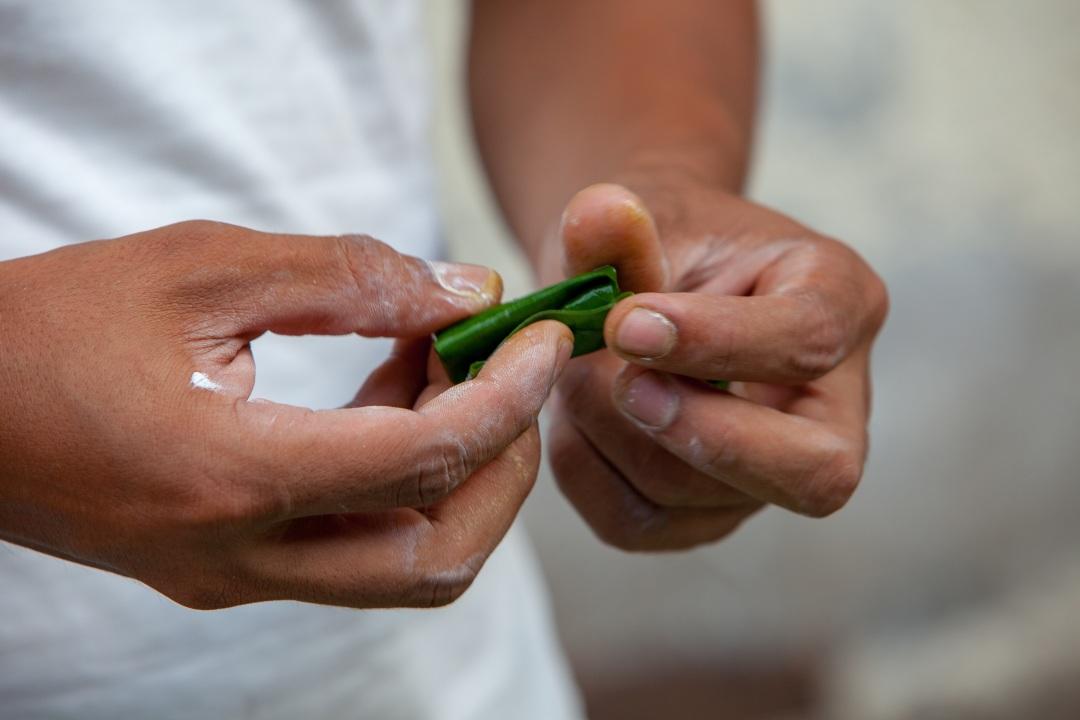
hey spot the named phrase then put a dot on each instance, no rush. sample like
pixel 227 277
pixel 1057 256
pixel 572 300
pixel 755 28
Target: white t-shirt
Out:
pixel 282 115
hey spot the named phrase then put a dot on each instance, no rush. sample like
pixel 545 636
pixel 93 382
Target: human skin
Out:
pixel 618 132
pixel 129 442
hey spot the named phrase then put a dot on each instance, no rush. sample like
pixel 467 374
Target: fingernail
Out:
pixel 645 333
pixel 471 281
pixel 651 400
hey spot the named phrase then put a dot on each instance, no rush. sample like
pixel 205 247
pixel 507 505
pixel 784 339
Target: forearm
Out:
pixel 565 93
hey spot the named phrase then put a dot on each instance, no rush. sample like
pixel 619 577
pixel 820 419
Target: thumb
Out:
pixel 297 285
pixel 607 224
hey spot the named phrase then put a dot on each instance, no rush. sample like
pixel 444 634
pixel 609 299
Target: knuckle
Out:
pixel 362 258
pixel 445 466
pixel 169 241
pixel 205 589
pixel 720 455
pixel 196 232
pixel 355 253
pixel 877 302
pixel 196 228
pixel 867 284
pixel 442 586
pixel 175 263
pixel 832 483
pixel 204 597
pixel 812 363
pixel 823 344
pixel 200 599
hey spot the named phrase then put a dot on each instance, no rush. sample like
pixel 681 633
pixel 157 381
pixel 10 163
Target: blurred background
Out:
pixel 940 139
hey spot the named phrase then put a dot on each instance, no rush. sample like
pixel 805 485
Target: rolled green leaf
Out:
pixel 581 303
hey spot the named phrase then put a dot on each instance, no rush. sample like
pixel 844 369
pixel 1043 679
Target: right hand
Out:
pixel 128 441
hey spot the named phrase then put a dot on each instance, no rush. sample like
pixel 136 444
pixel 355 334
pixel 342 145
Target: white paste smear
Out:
pixel 203 382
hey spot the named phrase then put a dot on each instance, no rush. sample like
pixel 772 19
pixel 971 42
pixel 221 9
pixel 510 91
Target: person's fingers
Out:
pixel 617 513
pixel 584 392
pixel 294 285
pixel 371 458
pixel 608 225
pixel 807 465
pixel 773 338
pixel 801 323
pixel 398 558
pixel 840 399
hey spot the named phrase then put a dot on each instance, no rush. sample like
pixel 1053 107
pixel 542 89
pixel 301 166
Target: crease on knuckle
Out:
pixel 439 587
pixel 355 251
pixel 386 303
pixel 830 485
pixel 445 465
pixel 823 342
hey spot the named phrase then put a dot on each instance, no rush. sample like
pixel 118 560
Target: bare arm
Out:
pixel 656 101
pixel 567 93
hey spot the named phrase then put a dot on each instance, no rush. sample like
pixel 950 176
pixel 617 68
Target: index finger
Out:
pixel 810 310
pixel 252 282
pixel 303 462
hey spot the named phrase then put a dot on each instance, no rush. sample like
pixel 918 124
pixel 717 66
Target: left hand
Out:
pixel 651 456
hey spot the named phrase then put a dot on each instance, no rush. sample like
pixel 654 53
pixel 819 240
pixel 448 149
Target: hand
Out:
pixel 650 455
pixel 128 441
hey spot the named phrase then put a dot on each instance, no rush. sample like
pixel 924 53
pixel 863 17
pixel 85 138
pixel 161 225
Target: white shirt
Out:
pixel 282 115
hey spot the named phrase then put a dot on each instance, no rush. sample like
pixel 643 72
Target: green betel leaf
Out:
pixel 581 303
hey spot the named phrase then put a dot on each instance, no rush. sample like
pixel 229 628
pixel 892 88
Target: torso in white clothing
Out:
pixel 288 116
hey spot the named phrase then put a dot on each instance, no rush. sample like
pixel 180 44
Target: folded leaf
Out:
pixel 581 303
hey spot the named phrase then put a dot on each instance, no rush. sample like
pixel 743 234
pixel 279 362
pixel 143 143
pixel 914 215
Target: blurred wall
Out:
pixel 941 141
